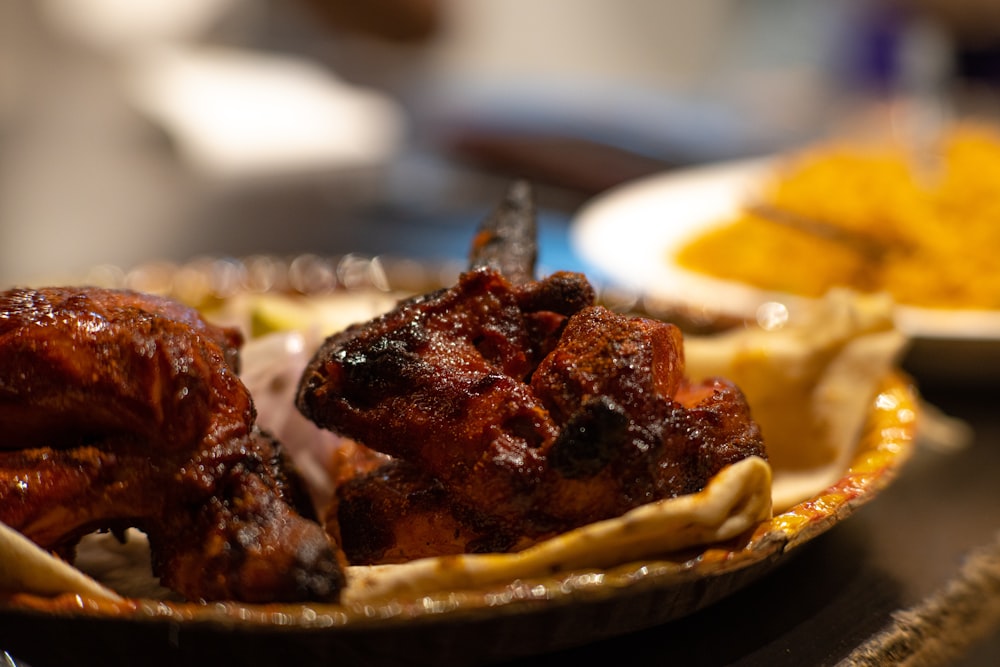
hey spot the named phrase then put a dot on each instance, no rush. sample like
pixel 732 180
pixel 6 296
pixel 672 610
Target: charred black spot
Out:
pixel 386 365
pixel 363 540
pixel 590 439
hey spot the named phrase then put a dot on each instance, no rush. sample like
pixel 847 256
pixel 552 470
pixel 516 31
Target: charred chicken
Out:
pixel 505 409
pixel 125 410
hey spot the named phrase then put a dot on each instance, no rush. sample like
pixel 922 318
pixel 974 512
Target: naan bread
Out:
pixel 809 382
pixel 25 568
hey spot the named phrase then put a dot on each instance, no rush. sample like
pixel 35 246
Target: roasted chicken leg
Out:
pixel 119 410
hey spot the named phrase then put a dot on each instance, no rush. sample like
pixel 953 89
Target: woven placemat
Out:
pixel 943 627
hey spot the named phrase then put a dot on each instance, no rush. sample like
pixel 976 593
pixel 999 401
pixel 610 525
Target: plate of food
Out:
pixel 352 460
pixel 725 240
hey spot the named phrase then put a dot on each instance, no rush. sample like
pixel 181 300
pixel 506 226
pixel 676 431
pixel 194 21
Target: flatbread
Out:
pixel 26 568
pixel 809 382
pixel 735 500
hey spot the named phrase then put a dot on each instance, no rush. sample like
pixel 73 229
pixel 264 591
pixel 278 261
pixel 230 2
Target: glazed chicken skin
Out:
pixel 119 410
pixel 492 451
pixel 506 412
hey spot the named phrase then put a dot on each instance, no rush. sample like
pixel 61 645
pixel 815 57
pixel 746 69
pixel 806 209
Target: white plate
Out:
pixel 630 234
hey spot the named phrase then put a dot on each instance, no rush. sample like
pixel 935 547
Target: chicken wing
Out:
pixel 120 409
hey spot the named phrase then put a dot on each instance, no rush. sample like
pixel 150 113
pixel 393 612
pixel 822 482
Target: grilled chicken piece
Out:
pixel 512 411
pixel 120 409
pixel 602 438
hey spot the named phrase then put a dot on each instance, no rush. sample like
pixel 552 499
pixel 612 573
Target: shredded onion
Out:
pixel 272 365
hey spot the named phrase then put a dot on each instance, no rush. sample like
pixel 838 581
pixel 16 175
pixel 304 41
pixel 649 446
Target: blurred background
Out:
pixel 171 129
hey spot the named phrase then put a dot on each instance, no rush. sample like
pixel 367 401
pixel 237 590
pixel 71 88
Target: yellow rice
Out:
pixel 939 223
